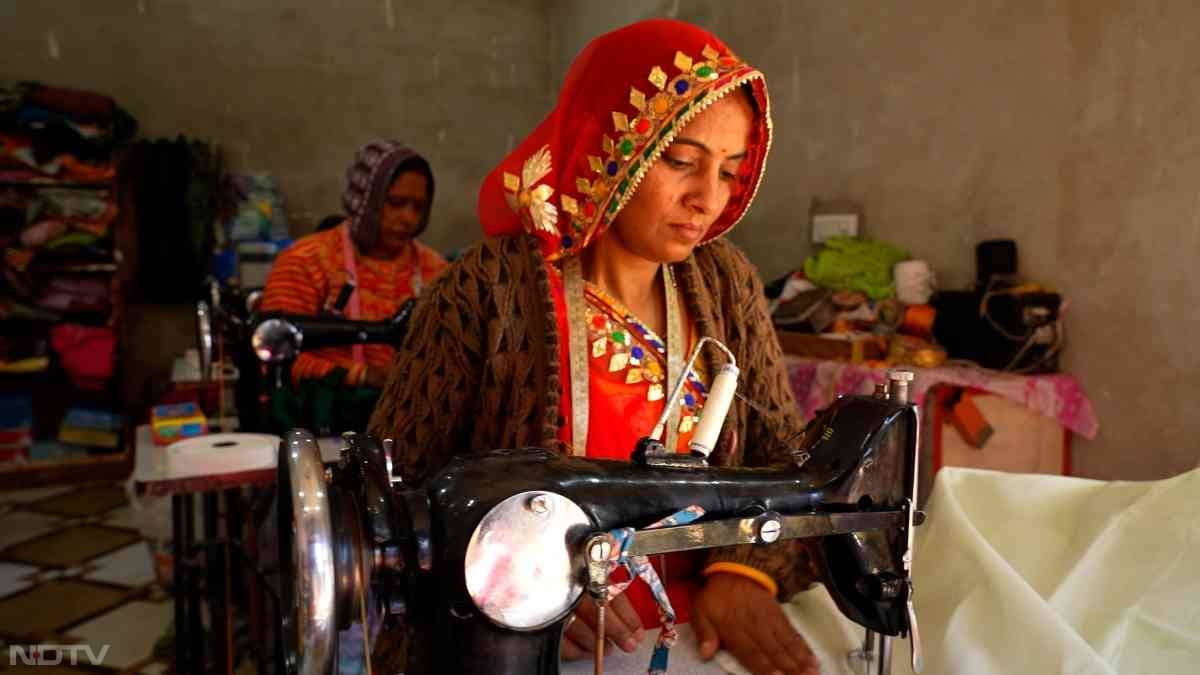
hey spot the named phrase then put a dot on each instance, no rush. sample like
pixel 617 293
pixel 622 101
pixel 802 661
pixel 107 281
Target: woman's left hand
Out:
pixel 738 614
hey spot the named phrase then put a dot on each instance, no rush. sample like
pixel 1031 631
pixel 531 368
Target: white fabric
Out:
pixel 1029 574
pixel 684 660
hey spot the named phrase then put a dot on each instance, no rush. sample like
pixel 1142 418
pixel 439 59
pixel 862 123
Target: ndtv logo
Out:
pixel 53 655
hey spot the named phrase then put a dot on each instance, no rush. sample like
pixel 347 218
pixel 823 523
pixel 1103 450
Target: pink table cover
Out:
pixel 817 383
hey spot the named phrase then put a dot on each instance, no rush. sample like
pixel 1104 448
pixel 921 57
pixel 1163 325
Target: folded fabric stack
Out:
pixel 60 292
pixel 89 427
pixel 58 134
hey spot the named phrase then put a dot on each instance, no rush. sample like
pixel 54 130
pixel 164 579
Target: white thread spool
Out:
pixel 915 282
pixel 720 397
pixel 220 454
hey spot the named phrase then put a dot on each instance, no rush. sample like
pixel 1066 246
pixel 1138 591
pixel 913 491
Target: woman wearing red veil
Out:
pixel 603 265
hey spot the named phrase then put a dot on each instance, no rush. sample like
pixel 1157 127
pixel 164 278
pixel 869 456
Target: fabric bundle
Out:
pixel 852 264
pixel 59 133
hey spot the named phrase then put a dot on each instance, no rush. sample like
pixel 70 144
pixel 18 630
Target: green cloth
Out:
pixel 74 238
pixel 852 264
pixel 324 406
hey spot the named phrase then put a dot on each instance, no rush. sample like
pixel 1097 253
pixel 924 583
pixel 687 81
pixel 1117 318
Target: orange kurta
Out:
pixel 626 395
pixel 307 278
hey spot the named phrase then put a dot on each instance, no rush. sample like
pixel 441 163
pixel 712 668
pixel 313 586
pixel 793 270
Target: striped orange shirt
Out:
pixel 308 277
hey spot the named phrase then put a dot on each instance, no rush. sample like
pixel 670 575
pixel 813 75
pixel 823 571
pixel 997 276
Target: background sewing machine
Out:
pixel 263 345
pixel 485 563
pixel 228 473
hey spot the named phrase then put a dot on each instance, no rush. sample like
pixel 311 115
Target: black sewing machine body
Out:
pixel 262 345
pixel 421 549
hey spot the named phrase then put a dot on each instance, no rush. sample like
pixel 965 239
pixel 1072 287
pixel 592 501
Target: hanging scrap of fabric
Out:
pixel 639 566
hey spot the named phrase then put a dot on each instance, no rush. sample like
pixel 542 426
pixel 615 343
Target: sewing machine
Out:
pixel 262 345
pixel 278 338
pixel 483 565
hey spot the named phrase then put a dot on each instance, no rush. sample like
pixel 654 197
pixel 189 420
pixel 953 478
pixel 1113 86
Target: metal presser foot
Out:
pixel 598 549
pixel 874 657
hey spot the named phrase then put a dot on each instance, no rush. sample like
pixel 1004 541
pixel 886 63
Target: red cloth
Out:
pixel 80 105
pixel 74 169
pixel 598 85
pixel 86 353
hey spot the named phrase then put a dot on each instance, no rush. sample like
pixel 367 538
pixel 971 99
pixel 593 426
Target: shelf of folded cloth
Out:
pixel 1021 423
pixel 69 238
pixel 66 435
pixel 62 367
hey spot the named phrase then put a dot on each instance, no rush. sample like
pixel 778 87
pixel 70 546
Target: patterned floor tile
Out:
pixel 155 668
pixel 130 566
pixel 87 501
pixel 49 607
pixel 123 516
pixel 26 496
pixel 69 547
pixel 18 526
pixel 65 573
pixel 127 647
pixel 14 578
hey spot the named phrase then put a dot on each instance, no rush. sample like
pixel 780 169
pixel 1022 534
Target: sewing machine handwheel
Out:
pixel 276 340
pixel 306 557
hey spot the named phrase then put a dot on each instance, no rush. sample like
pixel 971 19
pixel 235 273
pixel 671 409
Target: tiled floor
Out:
pixel 75 570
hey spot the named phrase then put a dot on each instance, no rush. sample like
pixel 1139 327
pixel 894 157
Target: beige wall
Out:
pixel 294 88
pixel 1069 126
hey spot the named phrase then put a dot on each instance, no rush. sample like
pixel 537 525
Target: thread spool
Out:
pixel 220 453
pixel 915 282
pixel 918 321
pixel 720 396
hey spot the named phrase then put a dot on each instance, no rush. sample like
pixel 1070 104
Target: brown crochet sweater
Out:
pixel 480 369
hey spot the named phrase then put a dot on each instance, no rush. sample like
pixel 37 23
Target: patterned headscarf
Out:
pixel 367 181
pixel 626 96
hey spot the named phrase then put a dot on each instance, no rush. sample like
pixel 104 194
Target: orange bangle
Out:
pixel 757 576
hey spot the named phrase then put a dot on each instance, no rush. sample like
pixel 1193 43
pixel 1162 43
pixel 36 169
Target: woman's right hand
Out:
pixel 622 626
